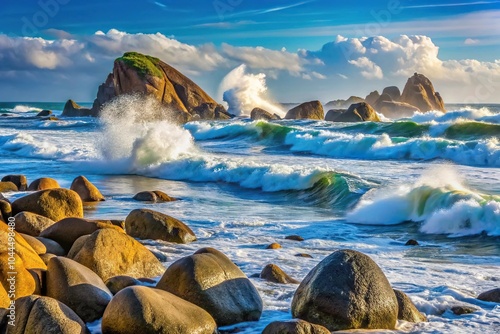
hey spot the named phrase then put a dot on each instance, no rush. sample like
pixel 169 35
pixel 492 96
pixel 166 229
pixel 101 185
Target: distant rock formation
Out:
pixel 343 104
pixel 393 92
pixel 359 112
pixel 372 98
pixel 307 110
pixel 135 73
pixel 258 113
pixel 420 93
pixel 72 109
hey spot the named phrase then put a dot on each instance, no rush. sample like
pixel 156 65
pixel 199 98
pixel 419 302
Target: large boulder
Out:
pixel 78 287
pixel 43 184
pixel 393 92
pixel 19 180
pixel 406 309
pixel 343 104
pixel 490 296
pixel 117 283
pixel 140 309
pixel 109 253
pixel 149 224
pixel 72 109
pixel 212 281
pixel 55 204
pixel 44 113
pixel 135 73
pixel 7 186
pixel 258 114
pixel 347 290
pixel 31 223
pixel 36 314
pixel 360 112
pixel 87 191
pixel 420 93
pixel 307 110
pixel 66 231
pixel 295 326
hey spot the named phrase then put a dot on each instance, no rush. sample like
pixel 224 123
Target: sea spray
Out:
pixel 244 91
pixel 438 199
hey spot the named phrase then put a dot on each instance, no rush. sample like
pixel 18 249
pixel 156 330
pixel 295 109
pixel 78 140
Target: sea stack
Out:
pixel 419 92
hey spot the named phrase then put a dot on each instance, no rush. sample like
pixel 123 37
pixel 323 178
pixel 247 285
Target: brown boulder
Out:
pixel 347 290
pixel 7 186
pixel 120 282
pixel 30 258
pixel 419 92
pixel 295 326
pixel 5 210
pixel 360 112
pixel 110 253
pixel 78 287
pixel 52 247
pixel 275 274
pixel 19 180
pixel 44 113
pixel 307 110
pixel 140 309
pixel 258 114
pixel 43 184
pixel 36 244
pixel 149 224
pixel 212 281
pixel 36 314
pixel 490 296
pixel 153 196
pixel 87 191
pixel 274 245
pixel 407 310
pixel 31 223
pixel 72 109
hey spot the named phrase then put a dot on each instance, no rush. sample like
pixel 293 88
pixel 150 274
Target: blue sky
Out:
pixel 295 43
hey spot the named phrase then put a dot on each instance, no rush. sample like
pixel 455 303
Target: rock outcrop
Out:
pixel 258 114
pixel 72 109
pixel 307 110
pixel 212 281
pixel 360 112
pixel 135 73
pixel 347 290
pixel 420 93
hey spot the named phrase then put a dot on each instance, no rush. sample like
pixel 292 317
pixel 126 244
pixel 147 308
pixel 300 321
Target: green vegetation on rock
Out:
pixel 145 65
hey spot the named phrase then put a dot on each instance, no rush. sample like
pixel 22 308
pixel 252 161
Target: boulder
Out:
pixel 294 237
pixel 7 186
pixel 343 104
pixel 27 254
pixel 295 326
pixel 412 242
pixel 490 296
pixel 149 224
pixel 78 287
pixel 24 283
pixel 5 210
pixel 212 281
pixel 36 314
pixel 19 180
pixel 72 109
pixel 110 253
pixel 393 109
pixel 153 196
pixel 154 311
pixel 407 310
pixel 52 247
pixel 36 244
pixel 462 309
pixel 43 184
pixel 66 231
pixel 258 114
pixel 372 98
pixel 120 282
pixel 275 274
pixel 393 92
pixel 307 110
pixel 360 112
pixel 44 113
pixel 31 223
pixel 419 92
pixel 55 204
pixel 87 191
pixel 347 290
pixel 274 245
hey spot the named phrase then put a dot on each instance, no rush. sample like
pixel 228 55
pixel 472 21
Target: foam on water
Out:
pixel 23 109
pixel 439 200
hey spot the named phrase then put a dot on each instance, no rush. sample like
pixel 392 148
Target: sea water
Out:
pixel 244 184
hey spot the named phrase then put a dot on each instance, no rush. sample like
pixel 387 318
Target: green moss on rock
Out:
pixel 145 65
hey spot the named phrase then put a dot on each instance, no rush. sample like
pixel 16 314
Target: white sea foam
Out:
pixel 465 113
pixel 23 108
pixel 439 200
pixel 243 92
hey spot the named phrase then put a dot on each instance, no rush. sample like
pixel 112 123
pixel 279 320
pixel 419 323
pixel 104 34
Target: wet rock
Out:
pixel 87 191
pixel 274 245
pixel 43 184
pixel 72 109
pixel 7 186
pixel 407 310
pixel 19 180
pixel 462 309
pixel 307 110
pixel 412 242
pixel 261 114
pixel 359 112
pixel 44 113
pixel 275 274
pixel 304 255
pixel 294 237
pixel 490 296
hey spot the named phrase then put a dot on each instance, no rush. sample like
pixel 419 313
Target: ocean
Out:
pixel 245 184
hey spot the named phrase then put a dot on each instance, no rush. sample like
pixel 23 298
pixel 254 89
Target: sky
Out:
pixel 53 50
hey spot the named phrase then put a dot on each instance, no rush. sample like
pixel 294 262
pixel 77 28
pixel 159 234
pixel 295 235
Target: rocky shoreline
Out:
pixel 71 271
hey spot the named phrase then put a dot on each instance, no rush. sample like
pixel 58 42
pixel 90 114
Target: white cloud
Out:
pixel 370 70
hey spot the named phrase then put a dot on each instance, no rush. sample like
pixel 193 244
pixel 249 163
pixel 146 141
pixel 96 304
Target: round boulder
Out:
pixel 261 114
pixel 110 253
pixel 7 186
pixel 347 290
pixel 78 287
pixel 19 180
pixel 212 281
pixel 307 110
pixel 407 310
pixel 32 224
pixel 44 113
pixel 43 184
pixel 55 204
pixel 87 191
pixel 149 224
pixel 118 283
pixel 154 311
pixel 295 326
pixel 275 274
pixel 145 196
pixel 490 296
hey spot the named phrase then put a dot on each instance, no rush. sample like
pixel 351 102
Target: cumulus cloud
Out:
pixel 370 70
